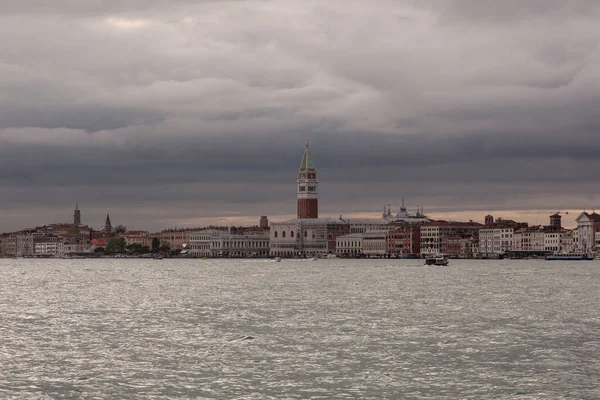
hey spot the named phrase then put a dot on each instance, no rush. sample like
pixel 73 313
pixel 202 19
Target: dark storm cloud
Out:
pixel 89 118
pixel 191 110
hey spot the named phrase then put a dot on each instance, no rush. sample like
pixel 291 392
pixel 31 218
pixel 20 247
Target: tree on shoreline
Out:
pixel 155 244
pixel 115 246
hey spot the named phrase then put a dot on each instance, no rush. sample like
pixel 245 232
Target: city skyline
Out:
pixel 162 117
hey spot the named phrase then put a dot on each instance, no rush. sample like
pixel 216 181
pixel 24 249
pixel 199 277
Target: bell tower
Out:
pixel 308 194
pixel 77 216
pixel 108 226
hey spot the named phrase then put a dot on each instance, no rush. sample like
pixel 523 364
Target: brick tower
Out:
pixel 77 216
pixel 108 226
pixel 308 195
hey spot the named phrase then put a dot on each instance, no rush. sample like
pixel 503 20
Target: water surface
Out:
pixel 339 329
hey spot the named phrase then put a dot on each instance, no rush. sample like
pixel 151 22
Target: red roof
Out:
pixel 100 242
pixel 593 216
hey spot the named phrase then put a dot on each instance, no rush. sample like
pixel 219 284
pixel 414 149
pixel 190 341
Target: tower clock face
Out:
pixel 302 176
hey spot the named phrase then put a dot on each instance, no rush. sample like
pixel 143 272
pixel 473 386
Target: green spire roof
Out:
pixel 307 160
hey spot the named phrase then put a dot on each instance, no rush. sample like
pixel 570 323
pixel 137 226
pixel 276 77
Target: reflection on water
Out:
pixel 326 329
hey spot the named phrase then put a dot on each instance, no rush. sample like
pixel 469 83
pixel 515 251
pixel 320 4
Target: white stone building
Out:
pixel 50 249
pixel 239 246
pixel 495 240
pixel 529 239
pixel 553 241
pixel 306 237
pixel 199 242
pixel 223 244
pixel 350 245
pixel 588 225
pixel 74 248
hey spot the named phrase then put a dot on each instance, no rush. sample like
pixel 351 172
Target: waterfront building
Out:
pixel 231 243
pixel 77 248
pixel 496 238
pixel 20 245
pixel 404 239
pixel 349 245
pixel 77 216
pixel 307 187
pixel 174 238
pixel 553 241
pixel 3 244
pixel 543 239
pixel 433 233
pixel 588 225
pixel 375 243
pixel 49 248
pixel 530 239
pixel 141 238
pixel 306 237
pixel 575 240
pixel 225 244
pixel 200 242
pixel 460 244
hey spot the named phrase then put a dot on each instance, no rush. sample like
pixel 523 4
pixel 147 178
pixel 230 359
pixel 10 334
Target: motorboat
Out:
pixel 437 260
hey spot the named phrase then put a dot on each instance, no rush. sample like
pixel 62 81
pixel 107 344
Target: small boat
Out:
pixel 569 257
pixel 277 259
pixel 436 260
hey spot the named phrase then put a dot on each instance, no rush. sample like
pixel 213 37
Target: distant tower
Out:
pixel 555 221
pixel 264 222
pixel 489 220
pixel 308 195
pixel 77 216
pixel 107 225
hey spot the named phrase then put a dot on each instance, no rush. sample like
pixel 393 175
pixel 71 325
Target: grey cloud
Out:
pixel 203 107
pixel 91 118
pixel 516 11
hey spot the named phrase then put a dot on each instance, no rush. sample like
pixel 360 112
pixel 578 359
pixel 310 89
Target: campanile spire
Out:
pixel 308 195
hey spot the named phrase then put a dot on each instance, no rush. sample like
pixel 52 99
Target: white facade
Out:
pixel 199 242
pixel 430 240
pixel 77 248
pixel 495 240
pixel 587 224
pixel 218 243
pixel 529 239
pixel 349 244
pixel 362 225
pixel 239 246
pixel 553 241
pixel 306 237
pixel 54 249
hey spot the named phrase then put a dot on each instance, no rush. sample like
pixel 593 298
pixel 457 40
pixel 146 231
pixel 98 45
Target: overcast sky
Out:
pixel 183 113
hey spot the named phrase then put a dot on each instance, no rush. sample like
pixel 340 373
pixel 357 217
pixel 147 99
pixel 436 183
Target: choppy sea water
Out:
pixel 235 329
